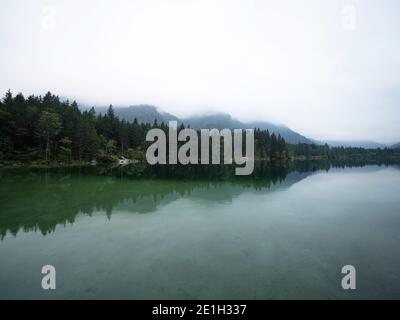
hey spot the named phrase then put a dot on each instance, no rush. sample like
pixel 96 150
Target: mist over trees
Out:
pixel 47 128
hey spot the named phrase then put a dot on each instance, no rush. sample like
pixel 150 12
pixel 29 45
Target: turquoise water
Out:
pixel 283 235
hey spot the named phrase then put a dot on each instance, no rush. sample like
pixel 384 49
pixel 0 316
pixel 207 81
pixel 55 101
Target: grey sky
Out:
pixel 306 64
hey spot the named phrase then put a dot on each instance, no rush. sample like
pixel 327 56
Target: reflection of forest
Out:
pixel 41 199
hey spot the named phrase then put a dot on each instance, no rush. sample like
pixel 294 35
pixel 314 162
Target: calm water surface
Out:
pixel 113 236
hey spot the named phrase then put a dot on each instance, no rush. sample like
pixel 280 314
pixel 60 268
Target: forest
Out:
pixel 47 129
pixel 350 155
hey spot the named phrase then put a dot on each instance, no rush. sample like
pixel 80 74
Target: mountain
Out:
pixel 210 121
pixel 356 144
pixel 223 120
pixel 395 146
pixel 288 134
pixel 143 113
pixel 148 113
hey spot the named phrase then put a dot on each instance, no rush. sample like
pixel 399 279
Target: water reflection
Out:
pixel 174 230
pixel 39 200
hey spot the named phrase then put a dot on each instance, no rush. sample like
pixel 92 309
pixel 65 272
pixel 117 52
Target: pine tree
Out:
pixel 48 127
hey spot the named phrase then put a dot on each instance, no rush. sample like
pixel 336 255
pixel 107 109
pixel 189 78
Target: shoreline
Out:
pixel 42 164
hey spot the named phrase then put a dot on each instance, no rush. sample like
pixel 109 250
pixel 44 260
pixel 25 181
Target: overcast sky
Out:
pixel 327 69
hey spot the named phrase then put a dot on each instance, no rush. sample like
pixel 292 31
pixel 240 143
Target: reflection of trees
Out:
pixel 42 199
pixel 306 166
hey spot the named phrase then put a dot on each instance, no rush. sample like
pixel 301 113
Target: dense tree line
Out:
pixel 324 152
pixel 47 128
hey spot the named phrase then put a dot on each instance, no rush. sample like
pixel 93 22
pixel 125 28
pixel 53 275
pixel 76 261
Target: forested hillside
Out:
pixel 148 113
pixel 47 128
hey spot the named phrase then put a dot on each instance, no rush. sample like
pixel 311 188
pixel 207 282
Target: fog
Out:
pixel 327 69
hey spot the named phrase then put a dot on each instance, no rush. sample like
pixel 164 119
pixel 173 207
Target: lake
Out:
pixel 200 233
